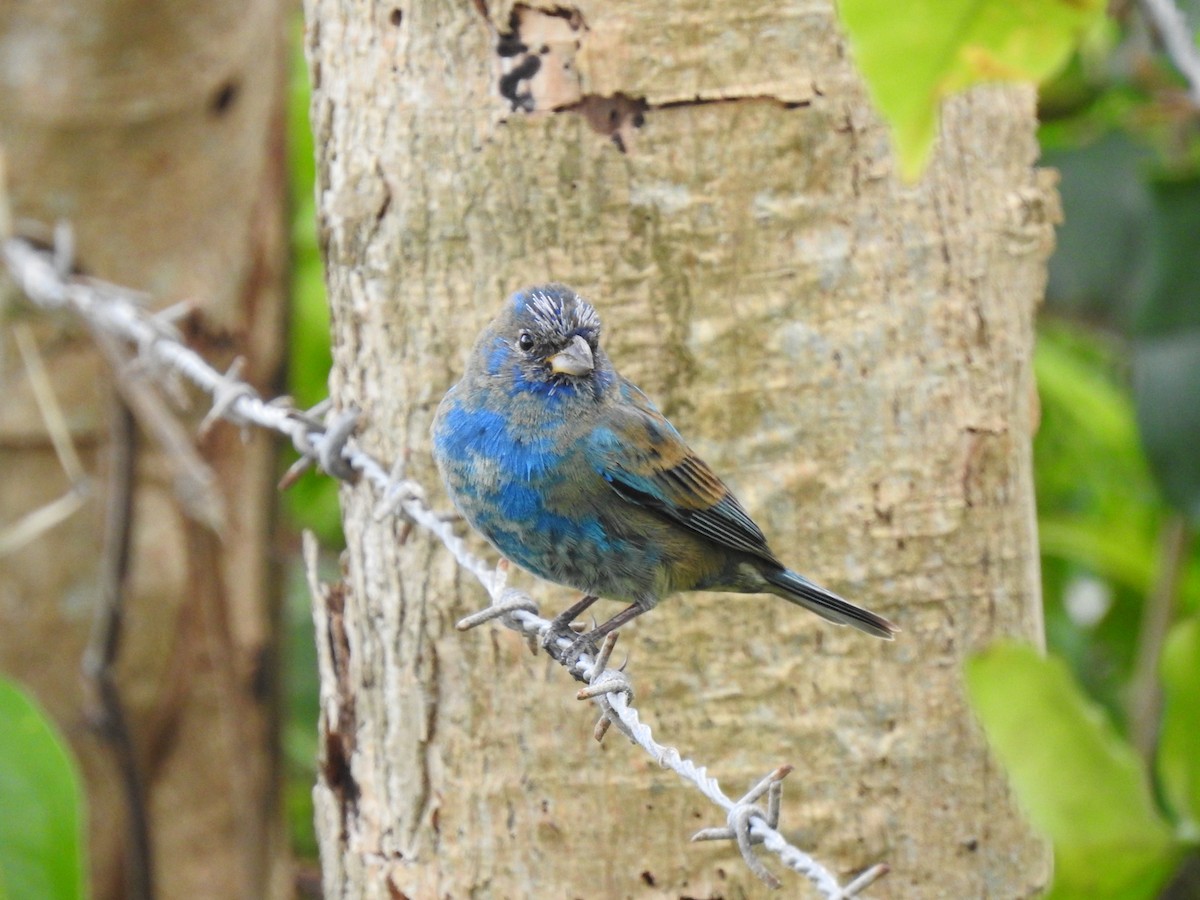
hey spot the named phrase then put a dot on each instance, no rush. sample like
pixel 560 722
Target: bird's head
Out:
pixel 547 340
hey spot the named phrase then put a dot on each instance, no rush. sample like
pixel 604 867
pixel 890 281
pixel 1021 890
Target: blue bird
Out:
pixel 572 473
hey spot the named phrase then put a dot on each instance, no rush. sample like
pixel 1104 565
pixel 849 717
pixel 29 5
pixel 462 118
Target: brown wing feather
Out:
pixel 645 461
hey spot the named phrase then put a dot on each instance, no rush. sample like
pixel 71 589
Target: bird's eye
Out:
pixel 525 341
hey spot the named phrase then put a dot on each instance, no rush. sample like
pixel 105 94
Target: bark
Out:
pixel 852 353
pixel 155 130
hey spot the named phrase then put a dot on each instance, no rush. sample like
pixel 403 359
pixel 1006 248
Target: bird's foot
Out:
pixel 558 630
pixel 586 644
pixel 563 628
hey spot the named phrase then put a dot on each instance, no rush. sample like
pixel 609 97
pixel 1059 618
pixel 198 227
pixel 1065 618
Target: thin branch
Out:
pixel 1145 690
pixel 109 719
pixel 52 414
pixel 1169 23
pixel 330 444
pixel 33 525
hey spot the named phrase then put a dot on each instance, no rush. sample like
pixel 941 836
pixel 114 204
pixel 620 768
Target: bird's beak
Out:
pixel 574 359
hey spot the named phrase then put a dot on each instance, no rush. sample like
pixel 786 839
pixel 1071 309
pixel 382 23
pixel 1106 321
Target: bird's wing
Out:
pixel 644 459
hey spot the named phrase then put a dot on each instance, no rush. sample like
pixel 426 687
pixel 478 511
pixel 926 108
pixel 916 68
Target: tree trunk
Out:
pixel 853 354
pixel 156 131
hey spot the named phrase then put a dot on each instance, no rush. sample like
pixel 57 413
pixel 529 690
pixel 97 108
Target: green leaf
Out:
pixel 913 54
pixel 1079 782
pixel 1179 743
pixel 41 856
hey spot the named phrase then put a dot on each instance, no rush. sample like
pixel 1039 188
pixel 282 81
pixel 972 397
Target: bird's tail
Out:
pixel 799 590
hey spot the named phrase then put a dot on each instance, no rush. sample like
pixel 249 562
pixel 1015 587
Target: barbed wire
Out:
pixel 325 438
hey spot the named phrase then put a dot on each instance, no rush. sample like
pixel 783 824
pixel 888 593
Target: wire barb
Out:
pixel 331 452
pixel 866 879
pixel 603 682
pixel 741 817
pixel 510 602
pixel 612 682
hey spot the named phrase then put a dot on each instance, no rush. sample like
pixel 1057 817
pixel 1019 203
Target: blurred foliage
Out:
pixel 1120 129
pixel 1099 511
pixel 1080 782
pixel 1178 761
pixel 914 54
pixel 41 805
pixel 313 501
pixel 301 702
pixel 1117 465
pixel 1166 349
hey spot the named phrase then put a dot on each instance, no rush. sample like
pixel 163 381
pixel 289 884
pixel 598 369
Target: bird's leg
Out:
pixel 560 625
pixel 590 640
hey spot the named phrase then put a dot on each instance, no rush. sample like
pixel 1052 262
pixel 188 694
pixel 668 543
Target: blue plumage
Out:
pixel 572 473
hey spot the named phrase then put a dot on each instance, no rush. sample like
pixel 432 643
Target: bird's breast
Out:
pixel 535 498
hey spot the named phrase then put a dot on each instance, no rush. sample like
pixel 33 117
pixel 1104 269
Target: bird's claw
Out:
pixel 603 684
pixel 578 646
pixel 585 644
pixel 558 629
pixel 562 628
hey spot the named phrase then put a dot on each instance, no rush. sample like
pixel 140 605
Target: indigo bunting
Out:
pixel 571 472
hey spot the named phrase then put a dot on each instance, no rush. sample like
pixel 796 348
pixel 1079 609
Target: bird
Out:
pixel 571 472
